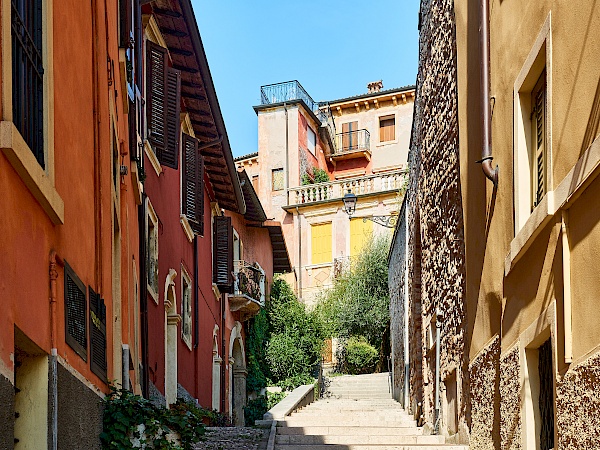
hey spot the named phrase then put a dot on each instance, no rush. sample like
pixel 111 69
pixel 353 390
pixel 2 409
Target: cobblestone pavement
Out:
pixel 234 438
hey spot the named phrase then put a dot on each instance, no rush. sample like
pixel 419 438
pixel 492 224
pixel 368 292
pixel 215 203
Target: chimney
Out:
pixel 375 86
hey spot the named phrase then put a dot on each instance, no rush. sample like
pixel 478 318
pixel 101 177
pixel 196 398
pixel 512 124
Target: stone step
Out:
pixel 354 431
pixel 309 421
pixel 359 440
pixel 343 415
pixel 369 447
pixel 351 407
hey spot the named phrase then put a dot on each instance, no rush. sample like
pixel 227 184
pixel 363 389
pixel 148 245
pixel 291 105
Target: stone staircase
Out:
pixel 358 413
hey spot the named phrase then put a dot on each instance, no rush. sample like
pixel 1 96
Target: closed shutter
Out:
pixel 387 129
pixel 349 135
pixel 193 184
pixel 321 243
pixel 156 96
pixel 360 232
pixel 170 156
pixel 75 313
pixel 97 335
pixel 223 253
pixel 538 122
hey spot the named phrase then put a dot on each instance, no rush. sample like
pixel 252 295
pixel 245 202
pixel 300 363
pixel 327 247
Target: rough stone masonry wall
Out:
pixel 578 406
pixel 485 422
pixel 510 400
pixel 435 186
pixel 397 297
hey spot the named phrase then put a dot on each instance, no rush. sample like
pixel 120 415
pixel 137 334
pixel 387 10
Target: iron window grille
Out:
pixel 75 313
pixel 28 74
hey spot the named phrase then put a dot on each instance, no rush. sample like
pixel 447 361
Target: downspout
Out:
pixel 484 52
pixel 223 356
pixel 438 331
pixel 196 331
pixel 406 305
pixel 287 153
pixel 143 297
pixel 53 375
pixel 299 254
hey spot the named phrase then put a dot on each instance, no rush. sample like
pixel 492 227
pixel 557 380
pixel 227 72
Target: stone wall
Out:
pixel 578 406
pixel 485 420
pixel 79 413
pixel 510 400
pixel 396 282
pixel 7 412
pixel 435 219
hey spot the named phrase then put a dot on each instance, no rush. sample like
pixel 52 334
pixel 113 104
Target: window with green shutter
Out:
pixel 538 136
pixel 223 253
pixel 97 334
pixel 192 196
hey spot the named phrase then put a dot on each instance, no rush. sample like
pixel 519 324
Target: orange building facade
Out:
pixel 109 243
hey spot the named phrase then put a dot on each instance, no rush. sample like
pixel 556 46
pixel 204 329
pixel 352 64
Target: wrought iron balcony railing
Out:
pixel 249 281
pixel 352 141
pixel 335 190
pixel 286 92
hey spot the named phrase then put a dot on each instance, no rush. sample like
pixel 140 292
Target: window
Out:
pixel 152 252
pixel 75 313
pixel 186 308
pixel 360 232
pixel 321 243
pixel 192 196
pixel 532 146
pixel 387 128
pixel 255 182
pixel 349 135
pixel 538 140
pixel 97 335
pixel 278 180
pixel 28 74
pixel 311 140
pixel 163 98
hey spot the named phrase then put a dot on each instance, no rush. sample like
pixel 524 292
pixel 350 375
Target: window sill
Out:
pixel 152 294
pixel 187 340
pixel 383 144
pixel 187 229
pixel 323 265
pixel 152 157
pixel 35 178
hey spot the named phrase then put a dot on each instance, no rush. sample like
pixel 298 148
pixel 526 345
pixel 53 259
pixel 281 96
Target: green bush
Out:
pixel 360 356
pixel 255 410
pixel 275 397
pixel 258 334
pixel 284 357
pixel 291 383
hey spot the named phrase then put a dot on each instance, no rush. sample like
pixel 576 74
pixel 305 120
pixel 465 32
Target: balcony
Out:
pixel 335 190
pixel 353 144
pixel 248 289
pixel 286 92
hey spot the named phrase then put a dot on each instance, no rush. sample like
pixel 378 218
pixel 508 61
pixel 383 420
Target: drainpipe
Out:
pixel 125 367
pixel 299 254
pixel 484 52
pixel 287 153
pixel 566 254
pixel 438 331
pixel 53 376
pixel 143 297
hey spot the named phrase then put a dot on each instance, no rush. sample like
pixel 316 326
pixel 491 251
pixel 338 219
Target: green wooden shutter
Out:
pixel 538 122
pixel 98 362
pixel 75 313
pixel 223 253
pixel 156 96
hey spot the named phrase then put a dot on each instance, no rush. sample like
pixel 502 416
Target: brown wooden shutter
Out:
pixel 349 138
pixel 156 96
pixel 193 184
pixel 223 253
pixel 387 129
pixel 97 335
pixel 170 156
pixel 75 313
pixel 538 122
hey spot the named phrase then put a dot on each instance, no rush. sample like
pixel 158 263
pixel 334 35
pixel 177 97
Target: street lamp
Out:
pixel 350 200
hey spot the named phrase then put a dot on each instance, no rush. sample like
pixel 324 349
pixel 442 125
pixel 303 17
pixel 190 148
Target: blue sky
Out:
pixel 333 47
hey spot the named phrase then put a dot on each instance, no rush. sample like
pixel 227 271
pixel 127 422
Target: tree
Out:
pixel 358 302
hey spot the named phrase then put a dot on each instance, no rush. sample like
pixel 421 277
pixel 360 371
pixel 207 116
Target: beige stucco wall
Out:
pixel 515 272
pixel 384 155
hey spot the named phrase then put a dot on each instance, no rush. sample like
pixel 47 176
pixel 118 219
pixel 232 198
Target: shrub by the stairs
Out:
pixel 360 356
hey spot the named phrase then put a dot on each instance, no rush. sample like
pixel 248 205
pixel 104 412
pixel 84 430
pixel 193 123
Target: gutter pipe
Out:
pixel 53 376
pixel 438 330
pixel 484 51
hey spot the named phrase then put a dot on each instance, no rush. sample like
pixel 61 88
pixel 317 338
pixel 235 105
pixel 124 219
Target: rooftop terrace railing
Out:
pixel 286 92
